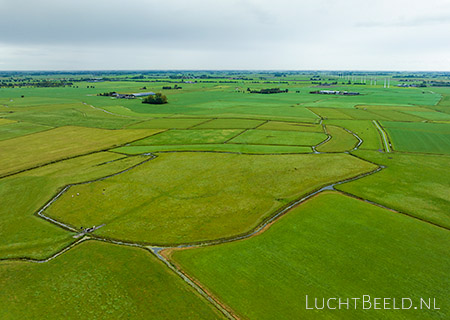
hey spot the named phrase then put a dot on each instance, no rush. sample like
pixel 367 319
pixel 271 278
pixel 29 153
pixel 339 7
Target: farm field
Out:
pixel 340 141
pixel 411 183
pixel 100 281
pixel 279 137
pixel 25 235
pixel 326 246
pixel 227 202
pixel 17 129
pixel 419 137
pixel 61 143
pixel 187 137
pixel 205 198
pixel 364 129
pixel 228 147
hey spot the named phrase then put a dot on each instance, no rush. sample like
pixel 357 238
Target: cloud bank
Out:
pixel 224 34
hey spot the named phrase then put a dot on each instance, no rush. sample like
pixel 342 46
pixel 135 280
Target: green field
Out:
pixel 207 171
pixel 340 141
pixel 414 184
pixel 25 235
pixel 187 137
pixel 419 137
pixel 167 124
pixel 99 281
pixel 330 246
pixel 278 137
pixel 29 151
pixel 228 147
pixel 364 129
pixel 289 126
pixel 207 196
pixel 17 129
pixel 230 124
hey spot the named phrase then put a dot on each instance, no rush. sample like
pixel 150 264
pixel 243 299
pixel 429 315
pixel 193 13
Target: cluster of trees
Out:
pixel 158 98
pixel 170 88
pixel 268 91
pixel 107 94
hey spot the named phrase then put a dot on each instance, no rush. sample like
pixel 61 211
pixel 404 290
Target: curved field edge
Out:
pixel 101 281
pixel 325 247
pixel 26 235
pixel 210 196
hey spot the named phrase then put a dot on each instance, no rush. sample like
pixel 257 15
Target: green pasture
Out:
pixel 98 281
pixel 168 123
pixel 290 126
pixel 330 113
pixel 419 137
pixel 61 143
pixel 25 235
pixel 69 115
pixel 365 129
pixel 6 121
pixel 230 124
pixel 340 141
pixel 17 129
pixel 278 137
pixel 187 137
pixel 190 197
pixel 329 246
pixel 410 183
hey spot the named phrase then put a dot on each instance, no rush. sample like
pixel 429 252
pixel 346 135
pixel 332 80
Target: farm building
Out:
pixel 132 95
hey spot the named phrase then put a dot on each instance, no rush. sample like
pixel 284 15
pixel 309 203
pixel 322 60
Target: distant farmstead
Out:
pixel 343 93
pixel 126 95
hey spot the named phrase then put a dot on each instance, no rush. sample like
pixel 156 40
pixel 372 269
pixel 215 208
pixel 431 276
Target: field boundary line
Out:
pixel 53 256
pixel 75 156
pixel 383 135
pixel 351 195
pixel 66 226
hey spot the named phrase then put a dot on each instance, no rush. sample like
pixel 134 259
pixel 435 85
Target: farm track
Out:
pixel 383 136
pixel 163 253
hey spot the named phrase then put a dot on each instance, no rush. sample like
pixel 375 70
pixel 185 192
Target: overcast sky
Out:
pixel 225 34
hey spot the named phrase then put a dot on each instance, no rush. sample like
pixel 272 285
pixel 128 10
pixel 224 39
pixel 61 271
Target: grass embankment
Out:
pixel 330 246
pixel 414 184
pixel 98 281
pixel 24 235
pixel 189 197
pixel 60 143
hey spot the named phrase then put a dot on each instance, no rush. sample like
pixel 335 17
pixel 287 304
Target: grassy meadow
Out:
pixel 330 246
pixel 99 281
pixel 191 197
